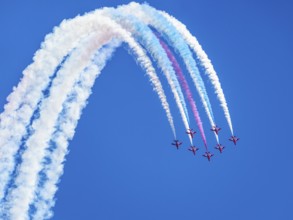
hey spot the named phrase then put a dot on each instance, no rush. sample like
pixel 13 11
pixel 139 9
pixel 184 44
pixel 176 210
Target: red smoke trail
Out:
pixel 185 86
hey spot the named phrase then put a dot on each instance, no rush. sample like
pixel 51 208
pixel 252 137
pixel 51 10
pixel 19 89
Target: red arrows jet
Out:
pixel 234 139
pixel 220 147
pixel 176 143
pixel 216 129
pixel 191 132
pixel 193 149
pixel 208 155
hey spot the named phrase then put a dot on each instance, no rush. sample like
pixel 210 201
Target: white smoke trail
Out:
pixel 65 131
pixel 20 197
pixel 54 170
pixel 22 102
pixel 205 62
pixel 25 97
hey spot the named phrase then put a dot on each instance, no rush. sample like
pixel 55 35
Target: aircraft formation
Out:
pixel 207 154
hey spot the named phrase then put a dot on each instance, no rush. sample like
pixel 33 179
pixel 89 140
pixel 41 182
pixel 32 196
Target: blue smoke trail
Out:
pixel 146 37
pixel 205 63
pixel 170 33
pixel 154 18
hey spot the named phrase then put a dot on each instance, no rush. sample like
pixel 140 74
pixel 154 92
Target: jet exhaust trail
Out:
pixel 35 128
pixel 186 89
pixel 205 62
pixel 146 37
pixel 152 17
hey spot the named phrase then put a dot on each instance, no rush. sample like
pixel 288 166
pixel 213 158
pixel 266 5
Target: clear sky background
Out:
pixel 121 164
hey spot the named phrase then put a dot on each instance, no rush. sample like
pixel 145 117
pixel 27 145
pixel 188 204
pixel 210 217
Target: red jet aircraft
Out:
pixel 216 129
pixel 193 149
pixel 220 147
pixel 191 132
pixel 177 144
pixel 234 139
pixel 208 155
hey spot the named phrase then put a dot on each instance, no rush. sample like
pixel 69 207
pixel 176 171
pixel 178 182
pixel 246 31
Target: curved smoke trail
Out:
pixel 25 98
pixel 205 62
pixel 20 196
pixel 152 17
pixel 43 110
pixel 147 38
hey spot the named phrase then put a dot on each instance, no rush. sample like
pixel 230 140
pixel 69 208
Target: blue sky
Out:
pixel 121 164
